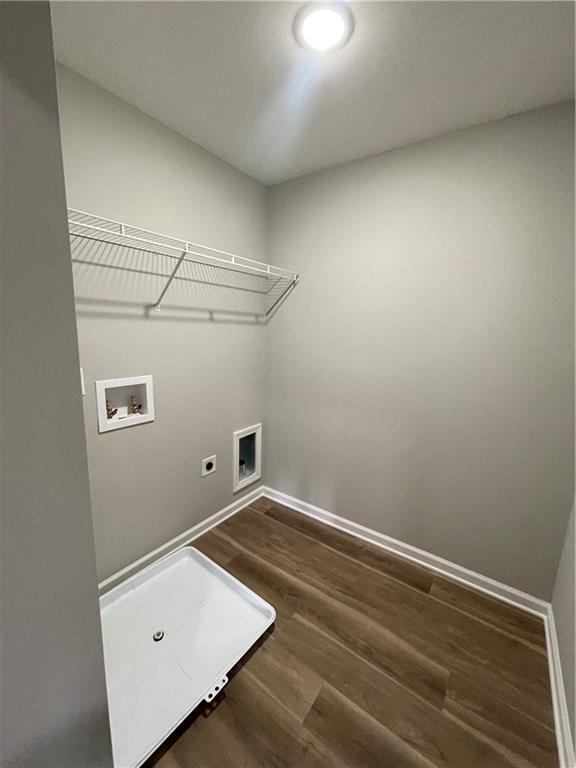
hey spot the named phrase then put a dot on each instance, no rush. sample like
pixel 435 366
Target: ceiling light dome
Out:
pixel 323 26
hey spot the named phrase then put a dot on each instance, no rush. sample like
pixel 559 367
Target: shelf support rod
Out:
pixel 283 295
pixel 172 276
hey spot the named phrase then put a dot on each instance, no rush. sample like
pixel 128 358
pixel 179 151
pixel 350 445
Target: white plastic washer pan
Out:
pixel 171 634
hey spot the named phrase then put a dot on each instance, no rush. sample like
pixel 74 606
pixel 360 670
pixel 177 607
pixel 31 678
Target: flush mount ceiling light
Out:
pixel 323 26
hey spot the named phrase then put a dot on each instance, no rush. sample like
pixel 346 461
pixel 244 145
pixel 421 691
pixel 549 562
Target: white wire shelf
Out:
pixel 164 268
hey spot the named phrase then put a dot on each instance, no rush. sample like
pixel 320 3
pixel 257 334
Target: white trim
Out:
pixel 105 388
pixel 454 571
pixel 561 716
pixel 238 484
pixel 181 540
pixel 457 572
pixel 471 579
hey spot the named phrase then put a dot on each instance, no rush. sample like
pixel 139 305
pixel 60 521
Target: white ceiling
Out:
pixel 229 75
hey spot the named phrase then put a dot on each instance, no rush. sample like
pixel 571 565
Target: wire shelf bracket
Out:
pixel 157 306
pixel 184 260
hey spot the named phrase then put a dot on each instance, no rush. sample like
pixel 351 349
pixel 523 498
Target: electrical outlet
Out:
pixel 208 466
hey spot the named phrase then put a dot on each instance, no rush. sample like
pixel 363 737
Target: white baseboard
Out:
pixel 457 572
pixel 181 540
pixel 454 571
pixel 471 579
pixel 561 716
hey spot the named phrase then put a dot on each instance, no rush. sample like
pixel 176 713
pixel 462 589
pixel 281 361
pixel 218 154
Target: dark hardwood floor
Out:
pixel 373 662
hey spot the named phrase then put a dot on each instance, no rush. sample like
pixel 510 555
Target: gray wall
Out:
pixel 420 378
pixel 208 375
pixel 564 606
pixel 53 697
pixel 431 329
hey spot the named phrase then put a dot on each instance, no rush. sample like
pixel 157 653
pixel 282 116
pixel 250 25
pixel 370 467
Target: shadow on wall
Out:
pixel 125 282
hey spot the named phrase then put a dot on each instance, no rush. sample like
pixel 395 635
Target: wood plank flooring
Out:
pixel 373 662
